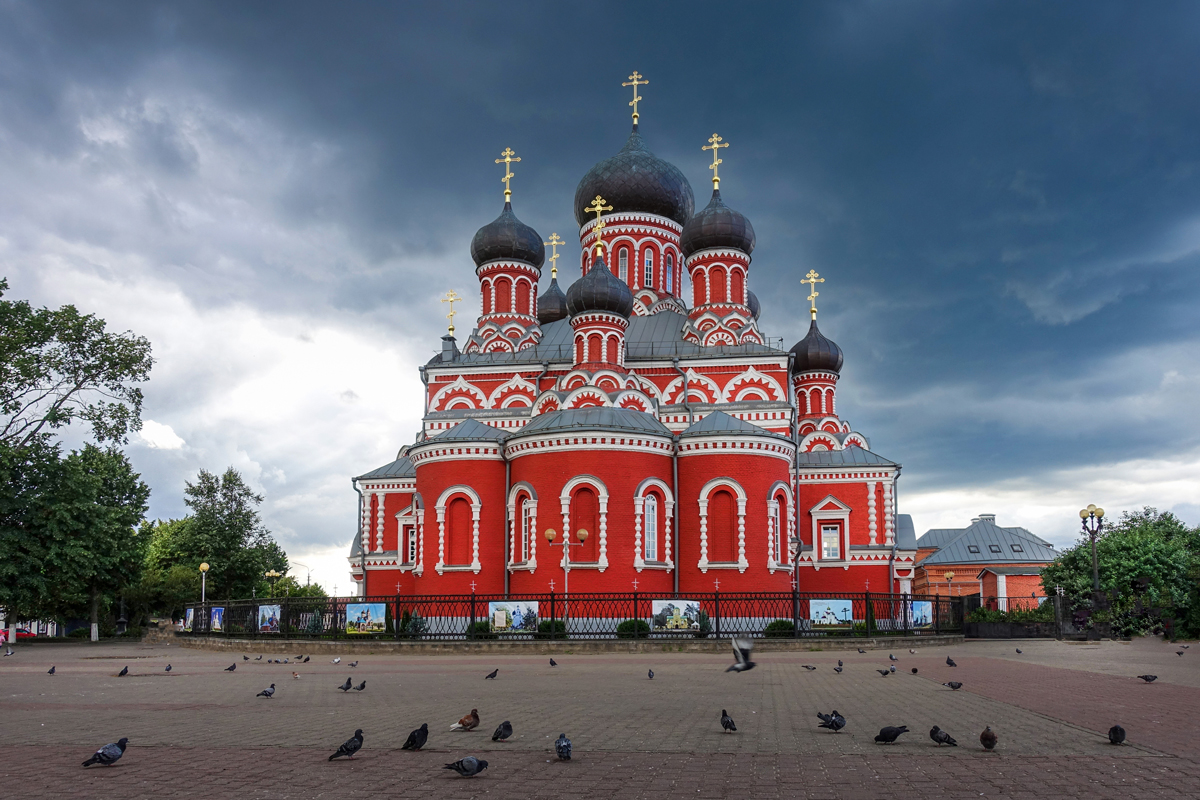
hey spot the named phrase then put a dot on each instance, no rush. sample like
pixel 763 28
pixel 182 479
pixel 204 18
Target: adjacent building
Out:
pixel 983 559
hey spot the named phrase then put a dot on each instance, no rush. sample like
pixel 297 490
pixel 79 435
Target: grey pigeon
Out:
pixel 231 667
pixel 268 693
pixel 345 687
pixel 1148 678
pixel 839 662
pixel 491 676
pixel 109 754
pixel 1019 650
pixel 651 674
pixel 350 746
pixel 124 671
pixel 354 663
pixel 988 738
pixel 1185 646
pixel 416 740
pixel 742 648
pixel 838 670
pixel 337 660
pixel 914 652
pixel 834 722
pixel 1116 734
pixel 553 663
pixel 890 734
pixel 808 667
pixel 503 731
pixel 1178 652
pixel 245 658
pixel 286 661
pixel 468 767
pixel 50 671
pixel 361 686
pixel 954 685
pixel 306 658
pixel 8 651
pixel 941 737
pixel 258 659
pixel 168 669
pixel 950 662
pixel 861 650
pixel 892 669
pixel 727 722
pixel 892 657
pixel 884 672
pixel 914 670
pixel 562 746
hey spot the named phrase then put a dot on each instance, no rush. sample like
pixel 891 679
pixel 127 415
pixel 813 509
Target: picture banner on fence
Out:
pixel 189 618
pixel 675 615
pixel 920 613
pixel 366 617
pixel 217 620
pixel 268 619
pixel 831 612
pixel 513 616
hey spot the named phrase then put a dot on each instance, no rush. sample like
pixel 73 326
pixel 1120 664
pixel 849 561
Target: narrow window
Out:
pixel 830 547
pixel 651 515
pixel 410 536
pixel 670 274
pixel 623 262
pixel 775 528
pixel 649 266
pixel 526 526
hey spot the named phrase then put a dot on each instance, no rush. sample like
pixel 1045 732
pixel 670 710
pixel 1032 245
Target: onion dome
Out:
pixel 552 305
pixel 753 304
pixel 815 352
pixel 507 238
pixel 636 180
pixel 599 290
pixel 717 225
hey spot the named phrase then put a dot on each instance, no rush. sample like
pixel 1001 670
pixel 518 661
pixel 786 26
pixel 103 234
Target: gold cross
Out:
pixel 635 80
pixel 508 173
pixel 596 208
pixel 554 243
pixel 451 297
pixel 813 278
pixel 715 145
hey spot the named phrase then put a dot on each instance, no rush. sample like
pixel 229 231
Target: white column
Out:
pixel 703 564
pixel 603 560
pixel 638 506
pixel 475 537
pixel 379 513
pixel 742 562
pixel 889 534
pixel 441 518
pixel 668 516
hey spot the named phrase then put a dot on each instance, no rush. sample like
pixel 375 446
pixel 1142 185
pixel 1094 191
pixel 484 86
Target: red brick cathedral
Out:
pixel 655 428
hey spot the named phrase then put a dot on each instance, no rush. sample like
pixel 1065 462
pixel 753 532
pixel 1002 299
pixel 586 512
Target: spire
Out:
pixel 715 145
pixel 597 207
pixel 635 80
pixel 813 278
pixel 507 159
pixel 554 243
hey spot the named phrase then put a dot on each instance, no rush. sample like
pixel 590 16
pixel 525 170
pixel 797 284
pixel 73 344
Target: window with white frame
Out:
pixel 776 545
pixel 410 544
pixel 651 526
pixel 831 547
pixel 649 267
pixel 670 272
pixel 623 264
pixel 526 527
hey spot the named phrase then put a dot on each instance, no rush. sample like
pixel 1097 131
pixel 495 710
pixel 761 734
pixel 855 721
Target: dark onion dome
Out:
pixel 815 352
pixel 717 225
pixel 636 180
pixel 552 305
pixel 753 304
pixel 507 238
pixel 599 290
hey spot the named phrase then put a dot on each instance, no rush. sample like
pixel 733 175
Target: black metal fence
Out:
pixel 580 616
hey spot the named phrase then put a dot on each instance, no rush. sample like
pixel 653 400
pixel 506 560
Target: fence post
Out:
pixel 1058 617
pixel 552 614
pixel 287 615
pixel 634 617
pixel 471 627
pixel 717 612
pixel 937 614
pixel 796 608
pixel 870 616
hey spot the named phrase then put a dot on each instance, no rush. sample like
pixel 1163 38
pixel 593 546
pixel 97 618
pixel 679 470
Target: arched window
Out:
pixel 459 532
pixel 717 280
pixel 777 532
pixel 623 264
pixel 738 281
pixel 650 514
pixel 670 273
pixel 649 267
pixel 522 296
pixel 579 350
pixel 612 350
pixel 503 295
pixel 595 348
pixel 526 527
pixel 722 527
pixel 585 514
pixel 410 544
pixel 700 295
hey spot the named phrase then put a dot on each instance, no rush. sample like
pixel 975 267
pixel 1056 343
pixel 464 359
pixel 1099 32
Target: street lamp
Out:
pixel 950 583
pixel 566 544
pixel 203 581
pixel 272 576
pixel 1093 525
pixel 794 546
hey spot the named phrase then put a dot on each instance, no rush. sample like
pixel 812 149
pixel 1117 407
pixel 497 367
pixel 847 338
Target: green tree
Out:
pixel 28 476
pixel 288 586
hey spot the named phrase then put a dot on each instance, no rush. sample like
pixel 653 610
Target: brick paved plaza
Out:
pixel 200 732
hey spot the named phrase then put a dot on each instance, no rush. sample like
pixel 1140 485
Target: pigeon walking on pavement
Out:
pixel 862 651
pixel 259 658
pixel 1019 650
pixel 361 686
pixel 306 659
pixel 834 721
pixel 838 670
pixel 295 676
pixel 950 662
pixel 416 740
pixel 468 767
pixel 1178 652
pixel 168 669
pixel 350 746
pixel 109 754
pixel 468 723
pixel 941 737
pixel 650 673
pixel 337 660
pixel 345 687
pixel 988 738
pixel 1116 734
pixel 884 672
pixel 727 722
pixel 502 732
pixel 742 649
pixel 808 667
pixel 51 670
pixel 914 670
pixel 954 685
pixel 890 734
pixel 231 667
pixel 8 651
pixel 839 662
pixel 491 676
pixel 268 693
pixel 562 746
pixel 914 652
pixel 1148 678
pixel 124 671
pixel 892 657
pixel 245 657
pixel 553 663
pixel 354 663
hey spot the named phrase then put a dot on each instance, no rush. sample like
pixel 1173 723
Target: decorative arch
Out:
pixel 522 525
pixel 702 387
pixel 716 485
pixel 522 293
pixel 780 521
pixel 601 490
pixel 441 508
pixel 737 388
pixel 455 389
pixel 642 524
pixel 503 394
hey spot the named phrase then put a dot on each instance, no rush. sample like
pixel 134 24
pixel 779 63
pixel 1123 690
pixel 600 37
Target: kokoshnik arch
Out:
pixel 688 446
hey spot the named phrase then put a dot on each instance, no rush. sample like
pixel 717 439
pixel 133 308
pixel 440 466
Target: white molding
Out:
pixel 717 483
pixel 440 508
pixel 564 498
pixel 841 514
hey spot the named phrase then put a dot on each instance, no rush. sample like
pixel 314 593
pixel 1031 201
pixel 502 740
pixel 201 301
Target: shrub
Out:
pixel 80 633
pixel 780 629
pixel 633 629
pixel 559 629
pixel 413 625
pixel 483 629
pixel 703 625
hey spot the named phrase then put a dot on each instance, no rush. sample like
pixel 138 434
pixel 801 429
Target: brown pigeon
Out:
pixel 468 723
pixel 988 739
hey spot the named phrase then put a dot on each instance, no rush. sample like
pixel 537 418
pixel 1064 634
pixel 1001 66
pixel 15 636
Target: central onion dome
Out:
pixel 717 225
pixel 600 290
pixel 506 238
pixel 636 180
pixel 552 305
pixel 815 352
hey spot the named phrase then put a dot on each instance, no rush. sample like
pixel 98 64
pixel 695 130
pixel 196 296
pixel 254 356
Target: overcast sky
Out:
pixel 1004 199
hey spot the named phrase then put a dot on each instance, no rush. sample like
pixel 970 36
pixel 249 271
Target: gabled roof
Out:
pixel 470 430
pixel 1031 570
pixel 982 535
pixel 400 468
pixel 720 422
pixel 850 456
pixel 601 418
pixel 938 537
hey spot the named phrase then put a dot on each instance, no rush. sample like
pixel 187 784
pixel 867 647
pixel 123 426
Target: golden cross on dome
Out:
pixel 451 298
pixel 507 159
pixel 635 80
pixel 715 145
pixel 554 243
pixel 597 207
pixel 813 279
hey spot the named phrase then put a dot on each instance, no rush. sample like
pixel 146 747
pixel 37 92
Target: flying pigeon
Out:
pixel 890 734
pixel 361 686
pixel 295 676
pixel 727 722
pixel 941 737
pixel 258 659
pixel 954 685
pixel 833 721
pixel 416 740
pixel 950 662
pixel 354 663
pixel 808 667
pixel 468 767
pixel 562 746
pixel 838 670
pixel 231 667
pixel 914 652
pixel 914 670
pixel 245 658
pixel 741 655
pixel 468 723
pixel 109 754
pixel 168 669
pixel 1148 678
pixel 350 746
pixel 337 660
pixel 51 671
pixel 884 672
pixel 651 674
pixel 124 671
pixel 503 731
pixel 345 687
pixel 306 659
pixel 268 693
pixel 1019 650
pixel 988 739
pixel 1116 734
pixel 892 657
pixel 1178 652
pixel 491 676
pixel 839 662
pixel 861 650
pixel 553 663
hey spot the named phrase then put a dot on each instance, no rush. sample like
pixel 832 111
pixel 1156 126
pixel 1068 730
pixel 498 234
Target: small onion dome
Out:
pixel 753 304
pixel 599 290
pixel 507 238
pixel 552 305
pixel 815 352
pixel 636 180
pixel 717 225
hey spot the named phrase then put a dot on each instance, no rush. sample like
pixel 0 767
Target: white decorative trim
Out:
pixel 888 514
pixel 440 508
pixel 515 382
pixel 871 510
pixel 457 384
pixel 704 564
pixel 840 513
pixel 564 499
pixel 515 519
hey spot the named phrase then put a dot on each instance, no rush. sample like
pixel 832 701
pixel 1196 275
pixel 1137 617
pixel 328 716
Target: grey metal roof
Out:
pixel 982 535
pixel 906 533
pixel 937 537
pixel 1010 571
pixel 400 468
pixel 599 418
pixel 851 456
pixel 720 422
pixel 470 430
pixel 355 546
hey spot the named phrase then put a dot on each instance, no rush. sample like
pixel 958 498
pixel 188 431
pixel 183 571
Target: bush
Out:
pixel 1044 613
pixel 80 633
pixel 633 629
pixel 559 629
pixel 483 629
pixel 413 625
pixel 780 629
pixel 703 625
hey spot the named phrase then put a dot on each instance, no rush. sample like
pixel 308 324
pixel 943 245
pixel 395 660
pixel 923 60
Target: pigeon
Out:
pixel 354 663
pixel 727 722
pixel 884 672
pixel 839 662
pixel 1185 646
pixel 416 740
pixel 941 737
pixel 245 658
pixel 833 721
pixel 51 671
pixel 838 670
pixel 124 671
pixel 503 731
pixel 231 667
pixel 468 767
pixel 1148 678
pixel 288 662
pixel 651 674
pixel 1019 650
pixel 337 660
pixel 258 659
pixel 562 746
pixel 892 657
pixel 345 687
pixel 741 655
pixel 361 686
pixel 553 663
pixel 1178 652
pixel 306 659
pixel 109 754
pixel 950 662
pixel 914 670
pixel 468 723
pixel 8 651
pixel 268 693
pixel 892 668
pixel 988 739
pixel 491 676
pixel 890 734
pixel 295 676
pixel 954 685
pixel 808 667
pixel 862 651
pixel 1116 734
pixel 914 652
pixel 350 746
pixel 168 669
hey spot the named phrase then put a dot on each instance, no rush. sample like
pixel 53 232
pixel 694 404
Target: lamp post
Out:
pixel 1093 524
pixel 272 576
pixel 566 544
pixel 203 582
pixel 794 547
pixel 950 583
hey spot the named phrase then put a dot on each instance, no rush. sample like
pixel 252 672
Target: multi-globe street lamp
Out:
pixel 1093 525
pixel 272 576
pixel 566 544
